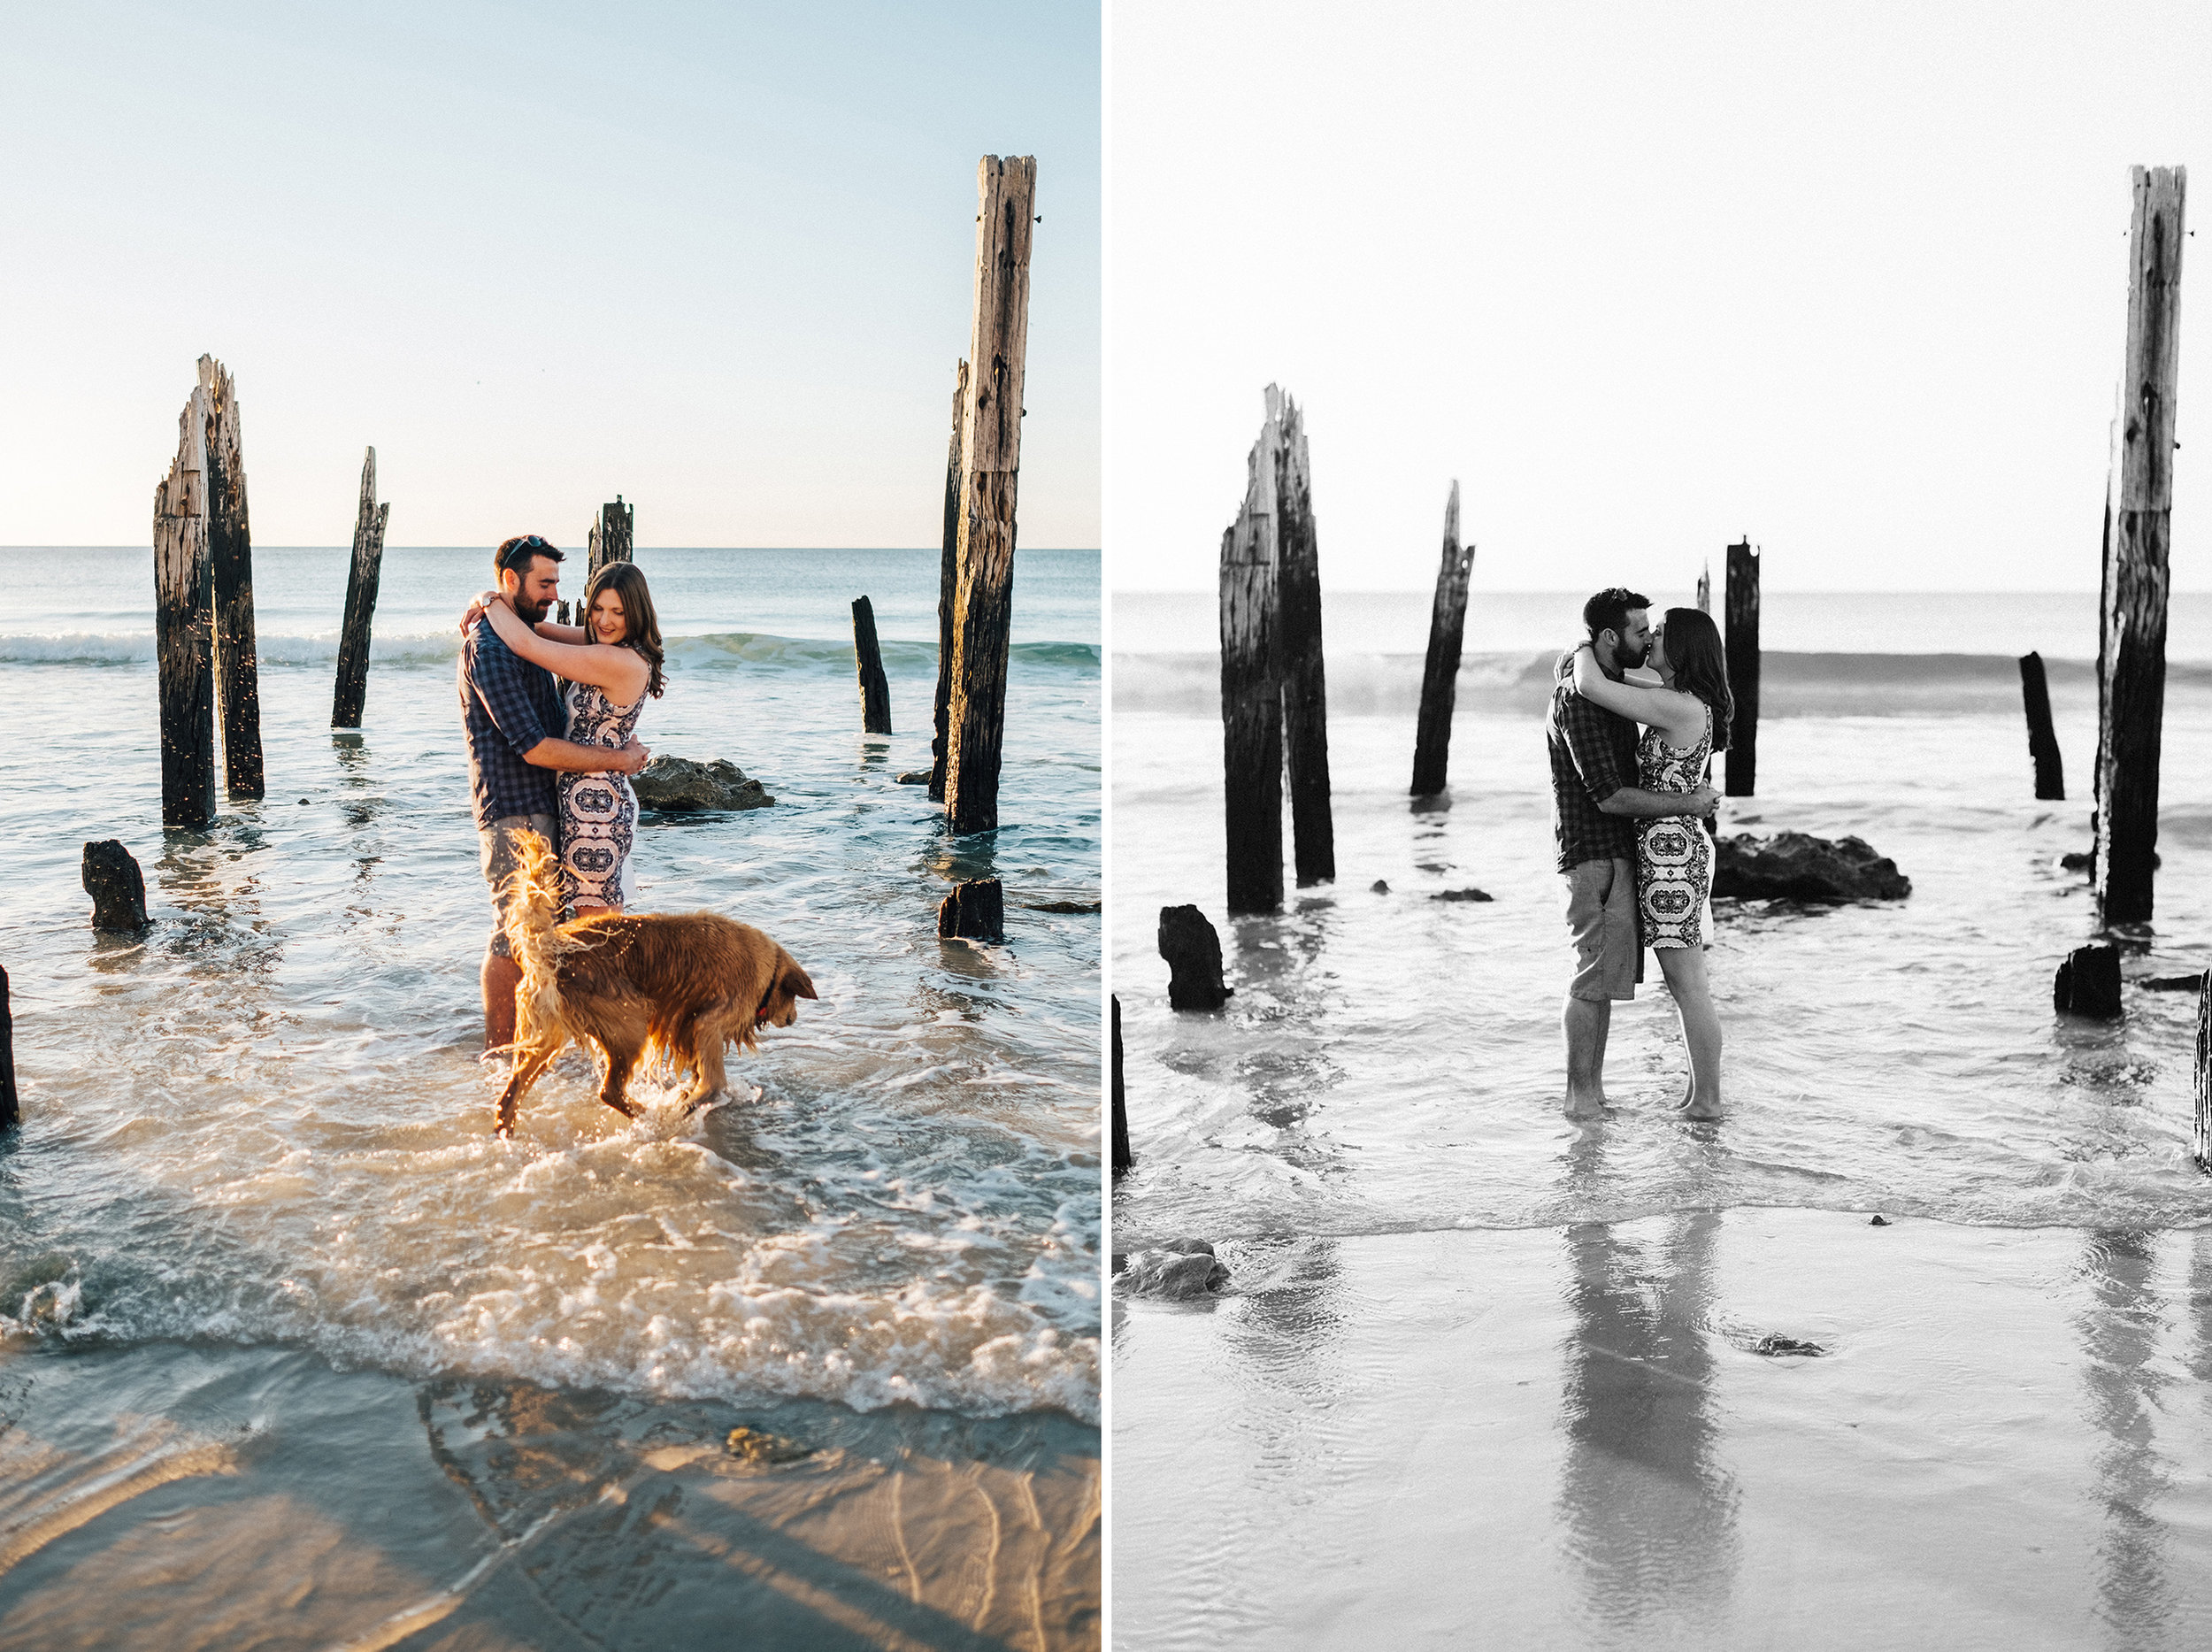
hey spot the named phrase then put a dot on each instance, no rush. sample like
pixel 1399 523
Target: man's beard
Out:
pixel 1627 661
pixel 529 612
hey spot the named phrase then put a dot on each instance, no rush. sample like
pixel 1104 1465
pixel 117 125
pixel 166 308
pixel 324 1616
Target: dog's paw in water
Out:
pixel 721 1098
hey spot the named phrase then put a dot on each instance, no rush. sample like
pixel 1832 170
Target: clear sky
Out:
pixel 1851 279
pixel 717 258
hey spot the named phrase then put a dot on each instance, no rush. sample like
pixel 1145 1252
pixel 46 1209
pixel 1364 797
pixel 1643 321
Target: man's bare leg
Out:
pixel 501 978
pixel 1585 1022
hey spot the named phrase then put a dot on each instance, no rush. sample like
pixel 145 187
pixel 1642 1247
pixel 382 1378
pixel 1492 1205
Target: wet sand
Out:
pixel 1566 1436
pixel 188 1497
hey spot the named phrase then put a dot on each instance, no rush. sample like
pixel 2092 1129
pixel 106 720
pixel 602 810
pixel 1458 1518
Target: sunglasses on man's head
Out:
pixel 523 549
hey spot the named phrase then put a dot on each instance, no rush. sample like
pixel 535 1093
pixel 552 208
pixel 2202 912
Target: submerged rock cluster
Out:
pixel 1795 865
pixel 680 786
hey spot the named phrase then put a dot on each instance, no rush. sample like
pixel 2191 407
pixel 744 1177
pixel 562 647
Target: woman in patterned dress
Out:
pixel 1686 720
pixel 611 663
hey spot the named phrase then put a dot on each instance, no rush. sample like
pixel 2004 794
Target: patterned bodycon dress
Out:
pixel 598 811
pixel 1674 854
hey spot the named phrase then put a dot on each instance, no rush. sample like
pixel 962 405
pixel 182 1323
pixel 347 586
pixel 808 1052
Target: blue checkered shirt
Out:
pixel 507 706
pixel 1593 756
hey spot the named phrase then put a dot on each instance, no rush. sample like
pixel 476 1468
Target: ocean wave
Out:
pixel 1790 685
pixel 714 650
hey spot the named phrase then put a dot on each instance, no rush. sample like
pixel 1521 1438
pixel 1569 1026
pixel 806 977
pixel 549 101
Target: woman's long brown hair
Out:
pixel 1701 665
pixel 641 626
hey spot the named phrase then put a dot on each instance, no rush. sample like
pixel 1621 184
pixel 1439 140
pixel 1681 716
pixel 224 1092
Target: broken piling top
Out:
pixel 1439 674
pixel 2153 339
pixel 998 334
pixel 1251 687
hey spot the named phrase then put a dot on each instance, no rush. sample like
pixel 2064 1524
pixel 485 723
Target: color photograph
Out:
pixel 551 1038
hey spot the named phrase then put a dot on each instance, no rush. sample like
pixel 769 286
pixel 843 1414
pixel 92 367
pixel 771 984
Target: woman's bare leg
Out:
pixel 1685 970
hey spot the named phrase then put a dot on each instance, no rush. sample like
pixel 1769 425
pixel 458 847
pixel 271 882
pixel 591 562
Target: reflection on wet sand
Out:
pixel 1646 1507
pixel 2119 1337
pixel 534 1518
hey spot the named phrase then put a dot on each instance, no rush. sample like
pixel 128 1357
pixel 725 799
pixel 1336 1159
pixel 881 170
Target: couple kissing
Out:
pixel 1629 814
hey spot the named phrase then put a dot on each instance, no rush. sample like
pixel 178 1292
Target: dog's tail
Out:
pixel 533 917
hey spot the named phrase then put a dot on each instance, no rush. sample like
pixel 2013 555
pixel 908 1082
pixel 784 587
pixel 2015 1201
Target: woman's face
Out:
pixel 1658 660
pixel 608 622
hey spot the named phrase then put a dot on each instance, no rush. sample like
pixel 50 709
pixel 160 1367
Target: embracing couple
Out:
pixel 1629 815
pixel 551 712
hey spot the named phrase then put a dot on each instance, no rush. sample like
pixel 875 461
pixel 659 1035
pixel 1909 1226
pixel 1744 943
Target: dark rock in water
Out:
pixel 1880 1221
pixel 2088 984
pixel 1063 906
pixel 1795 865
pixel 975 909
pixel 914 777
pixel 679 786
pixel 1460 895
pixel 1378 887
pixel 756 1445
pixel 117 886
pixel 2171 983
pixel 1193 951
pixel 1173 1276
pixel 1188 1247
pixel 1775 1345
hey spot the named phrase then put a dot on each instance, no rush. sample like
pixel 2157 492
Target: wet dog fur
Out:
pixel 679 985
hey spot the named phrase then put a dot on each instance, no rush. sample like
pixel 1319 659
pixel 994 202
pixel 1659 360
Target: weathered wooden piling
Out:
pixel 111 876
pixel 2200 1136
pixel 875 688
pixel 2088 983
pixel 184 627
pixel 1193 951
pixel 948 593
pixel 2050 772
pixel 990 459
pixel 12 1107
pixel 1741 642
pixel 1705 588
pixel 976 909
pixel 609 540
pixel 1440 676
pixel 1298 639
pixel 230 563
pixel 1251 692
pixel 1123 1158
pixel 2132 644
pixel 368 563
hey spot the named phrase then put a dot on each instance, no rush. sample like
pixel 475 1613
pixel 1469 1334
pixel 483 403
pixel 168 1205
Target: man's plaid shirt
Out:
pixel 1593 756
pixel 508 705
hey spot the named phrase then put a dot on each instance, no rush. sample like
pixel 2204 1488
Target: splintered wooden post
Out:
pixel 609 540
pixel 1742 644
pixel 230 561
pixel 12 1108
pixel 1440 678
pixel 990 458
pixel 368 563
pixel 875 688
pixel 1298 639
pixel 183 629
pixel 2133 631
pixel 111 877
pixel 1123 1158
pixel 2050 773
pixel 1705 589
pixel 2200 1138
pixel 1251 694
pixel 948 593
pixel 975 909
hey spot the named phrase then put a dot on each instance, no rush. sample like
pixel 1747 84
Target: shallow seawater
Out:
pixel 264 1122
pixel 1391 1060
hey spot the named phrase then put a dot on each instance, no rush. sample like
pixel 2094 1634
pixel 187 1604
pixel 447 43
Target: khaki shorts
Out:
pixel 1601 921
pixel 495 853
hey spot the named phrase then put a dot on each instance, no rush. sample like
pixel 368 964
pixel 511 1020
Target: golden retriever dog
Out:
pixel 680 984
